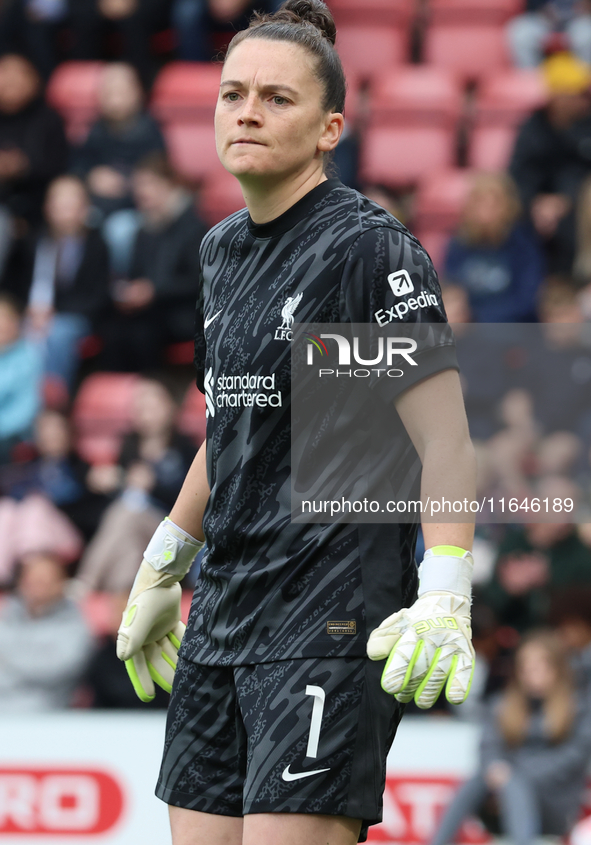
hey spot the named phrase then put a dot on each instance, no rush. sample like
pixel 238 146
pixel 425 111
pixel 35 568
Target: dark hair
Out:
pixel 12 302
pixel 159 165
pixel 310 24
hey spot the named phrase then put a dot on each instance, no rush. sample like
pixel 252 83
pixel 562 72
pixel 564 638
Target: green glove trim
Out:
pixel 425 681
pixel 174 640
pixel 158 679
pixel 134 678
pixel 452 672
pixel 452 551
pixel 415 656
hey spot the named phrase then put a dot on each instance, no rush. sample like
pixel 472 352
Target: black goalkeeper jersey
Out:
pixel 269 588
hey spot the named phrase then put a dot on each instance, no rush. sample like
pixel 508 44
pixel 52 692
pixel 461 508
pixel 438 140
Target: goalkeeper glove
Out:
pixel 430 643
pixel 151 630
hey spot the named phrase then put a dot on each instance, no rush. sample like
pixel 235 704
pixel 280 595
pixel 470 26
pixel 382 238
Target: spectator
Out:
pixel 582 263
pixel 533 561
pixel 31 524
pixel 57 473
pixel 63 276
pixel 153 463
pixel 133 22
pixel 44 641
pixel 205 27
pixel 570 614
pixel 34 28
pixel 123 135
pixel 106 678
pixel 552 157
pixel 529 34
pixel 156 306
pixel 535 750
pixel 20 376
pixel 32 147
pixel 494 257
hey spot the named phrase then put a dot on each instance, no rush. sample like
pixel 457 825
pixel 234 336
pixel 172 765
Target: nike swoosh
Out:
pixel 209 320
pixel 287 775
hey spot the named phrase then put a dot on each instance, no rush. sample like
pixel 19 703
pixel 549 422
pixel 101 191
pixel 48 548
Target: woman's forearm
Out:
pixel 189 507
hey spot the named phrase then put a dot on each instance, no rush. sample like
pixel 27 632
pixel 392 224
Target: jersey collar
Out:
pixel 295 214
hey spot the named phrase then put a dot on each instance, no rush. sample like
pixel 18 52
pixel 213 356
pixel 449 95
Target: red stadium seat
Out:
pixel 502 104
pixel 473 51
pixel 366 51
pixel 490 147
pixel 414 95
pixel 376 12
pixel 506 98
pixel 220 196
pixel 397 156
pixel 73 92
pixel 440 199
pixel 474 11
pixel 186 91
pixel 191 147
pixel 191 420
pixel 102 414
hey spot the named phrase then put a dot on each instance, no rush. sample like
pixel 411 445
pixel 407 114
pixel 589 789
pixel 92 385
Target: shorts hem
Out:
pixel 174 798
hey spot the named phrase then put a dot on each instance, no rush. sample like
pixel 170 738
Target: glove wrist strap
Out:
pixel 446 573
pixel 172 550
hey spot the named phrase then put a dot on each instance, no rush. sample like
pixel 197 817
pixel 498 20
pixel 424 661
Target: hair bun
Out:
pixel 314 12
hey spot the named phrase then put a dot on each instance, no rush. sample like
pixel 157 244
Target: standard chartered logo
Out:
pixel 244 391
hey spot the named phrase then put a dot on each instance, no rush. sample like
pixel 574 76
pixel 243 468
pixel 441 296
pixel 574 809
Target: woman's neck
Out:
pixel 266 202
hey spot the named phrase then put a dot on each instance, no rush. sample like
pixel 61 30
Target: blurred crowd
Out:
pixel 99 420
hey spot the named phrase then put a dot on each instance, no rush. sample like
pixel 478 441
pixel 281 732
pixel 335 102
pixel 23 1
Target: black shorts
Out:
pixel 295 736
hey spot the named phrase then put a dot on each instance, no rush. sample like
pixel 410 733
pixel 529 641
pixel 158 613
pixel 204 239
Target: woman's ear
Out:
pixel 332 132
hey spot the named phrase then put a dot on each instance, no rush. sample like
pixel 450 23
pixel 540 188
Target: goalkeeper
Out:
pixel 279 726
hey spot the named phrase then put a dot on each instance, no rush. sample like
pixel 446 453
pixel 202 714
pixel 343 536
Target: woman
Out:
pixel 535 749
pixel 494 257
pixel 278 728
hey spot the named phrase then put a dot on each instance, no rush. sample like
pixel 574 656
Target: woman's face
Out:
pixel 535 672
pixel 269 120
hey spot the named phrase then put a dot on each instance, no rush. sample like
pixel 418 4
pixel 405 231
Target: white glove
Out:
pixel 431 642
pixel 151 630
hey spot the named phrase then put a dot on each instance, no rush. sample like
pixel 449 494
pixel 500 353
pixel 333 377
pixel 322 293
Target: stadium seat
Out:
pixel 191 419
pixel 439 202
pixel 191 147
pixel 220 196
pixel 490 147
pixel 473 11
pixel 366 50
pixel 414 95
pixel 502 104
pixel 186 91
pixel 375 12
pixel 72 91
pixel 472 51
pixel 506 98
pixel 400 156
pixel 102 414
pixel 440 199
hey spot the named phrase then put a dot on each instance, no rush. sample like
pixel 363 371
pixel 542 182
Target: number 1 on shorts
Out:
pixel 317 711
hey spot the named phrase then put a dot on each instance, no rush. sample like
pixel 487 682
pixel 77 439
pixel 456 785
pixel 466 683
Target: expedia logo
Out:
pixel 66 802
pixel 401 283
pixel 398 311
